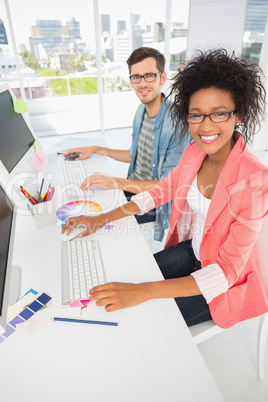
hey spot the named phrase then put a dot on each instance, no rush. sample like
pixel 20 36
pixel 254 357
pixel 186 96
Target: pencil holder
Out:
pixel 43 213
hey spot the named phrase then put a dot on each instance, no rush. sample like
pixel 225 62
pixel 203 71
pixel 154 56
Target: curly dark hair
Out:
pixel 217 68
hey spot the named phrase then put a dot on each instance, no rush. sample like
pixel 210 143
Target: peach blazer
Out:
pixel 234 219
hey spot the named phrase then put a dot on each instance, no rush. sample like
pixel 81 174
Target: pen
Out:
pixel 47 193
pixel 27 195
pixel 40 199
pixel 85 321
pixel 50 195
pixel 23 192
pixel 33 200
pixel 42 182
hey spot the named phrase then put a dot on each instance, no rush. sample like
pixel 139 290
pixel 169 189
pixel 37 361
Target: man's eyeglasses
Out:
pixel 217 117
pixel 150 77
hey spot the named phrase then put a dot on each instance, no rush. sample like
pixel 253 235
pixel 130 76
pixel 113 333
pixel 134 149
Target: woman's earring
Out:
pixel 237 125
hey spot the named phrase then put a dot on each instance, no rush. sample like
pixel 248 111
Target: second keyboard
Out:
pixel 82 269
pixel 74 174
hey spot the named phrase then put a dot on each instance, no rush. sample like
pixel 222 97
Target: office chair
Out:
pixel 206 330
pixel 147 230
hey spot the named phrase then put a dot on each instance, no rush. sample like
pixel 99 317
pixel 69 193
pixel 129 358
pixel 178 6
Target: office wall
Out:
pixel 220 23
pixel 216 23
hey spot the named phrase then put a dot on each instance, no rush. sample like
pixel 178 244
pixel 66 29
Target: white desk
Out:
pixel 149 357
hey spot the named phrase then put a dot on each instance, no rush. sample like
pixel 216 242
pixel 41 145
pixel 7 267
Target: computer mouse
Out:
pixel 72 157
pixel 74 233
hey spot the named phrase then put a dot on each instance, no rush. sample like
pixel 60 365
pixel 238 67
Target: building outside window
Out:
pixel 57 54
pixel 255 23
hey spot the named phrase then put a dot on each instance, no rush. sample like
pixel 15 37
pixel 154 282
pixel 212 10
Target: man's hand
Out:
pixel 99 180
pixel 85 152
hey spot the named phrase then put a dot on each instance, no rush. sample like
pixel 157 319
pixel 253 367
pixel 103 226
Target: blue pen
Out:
pixel 51 189
pixel 85 321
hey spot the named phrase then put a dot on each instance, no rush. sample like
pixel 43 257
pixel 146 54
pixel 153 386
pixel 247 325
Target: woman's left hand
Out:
pixel 117 295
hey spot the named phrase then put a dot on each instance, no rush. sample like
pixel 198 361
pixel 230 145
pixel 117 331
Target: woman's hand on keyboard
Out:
pixel 116 295
pixel 92 223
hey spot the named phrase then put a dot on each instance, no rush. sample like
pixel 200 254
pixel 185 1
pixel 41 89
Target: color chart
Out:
pixel 25 314
pixel 76 208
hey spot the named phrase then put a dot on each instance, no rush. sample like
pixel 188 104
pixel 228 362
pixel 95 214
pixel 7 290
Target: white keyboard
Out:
pixel 82 269
pixel 74 174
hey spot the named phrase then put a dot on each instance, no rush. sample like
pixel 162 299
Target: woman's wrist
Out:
pixel 147 289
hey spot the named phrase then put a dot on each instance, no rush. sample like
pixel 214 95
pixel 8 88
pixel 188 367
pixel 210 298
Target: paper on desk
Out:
pixel 64 312
pixel 16 308
pixel 74 143
pixel 68 143
pixel 42 319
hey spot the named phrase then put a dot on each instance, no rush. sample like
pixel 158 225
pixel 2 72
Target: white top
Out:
pixel 210 279
pixel 199 205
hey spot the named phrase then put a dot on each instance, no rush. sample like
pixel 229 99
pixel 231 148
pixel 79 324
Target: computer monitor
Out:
pixel 7 229
pixel 16 139
pixel 17 152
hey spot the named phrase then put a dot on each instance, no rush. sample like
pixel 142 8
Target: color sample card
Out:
pixel 107 227
pixel 23 302
pixel 25 314
pixel 76 208
pixel 79 303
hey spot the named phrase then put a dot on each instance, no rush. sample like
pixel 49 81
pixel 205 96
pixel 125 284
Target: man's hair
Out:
pixel 143 53
pixel 217 68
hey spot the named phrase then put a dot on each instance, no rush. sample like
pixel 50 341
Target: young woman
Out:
pixel 220 196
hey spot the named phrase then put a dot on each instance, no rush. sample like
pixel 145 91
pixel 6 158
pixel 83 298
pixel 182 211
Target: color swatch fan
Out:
pixel 76 208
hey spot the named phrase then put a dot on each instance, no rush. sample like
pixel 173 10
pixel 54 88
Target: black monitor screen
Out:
pixel 15 136
pixel 6 217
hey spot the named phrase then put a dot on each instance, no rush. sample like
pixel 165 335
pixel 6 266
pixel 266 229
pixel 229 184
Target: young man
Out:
pixel 155 149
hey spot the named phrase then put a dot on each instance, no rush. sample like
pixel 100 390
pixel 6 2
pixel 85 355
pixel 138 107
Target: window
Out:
pixel 255 23
pixel 57 53
pixel 179 32
pixel 124 29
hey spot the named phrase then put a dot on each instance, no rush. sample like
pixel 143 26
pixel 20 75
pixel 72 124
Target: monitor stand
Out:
pixel 14 290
